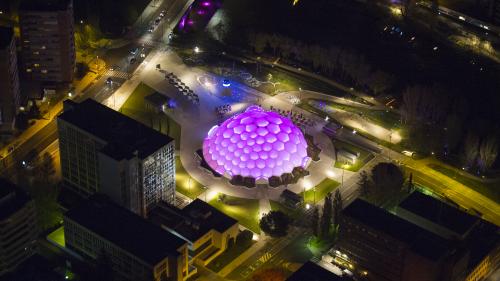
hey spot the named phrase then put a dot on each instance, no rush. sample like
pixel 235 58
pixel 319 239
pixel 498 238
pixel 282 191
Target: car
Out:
pixel 109 81
pixel 157 21
pixel 133 60
pixel 226 83
pixel 134 51
pixel 163 13
pixel 151 29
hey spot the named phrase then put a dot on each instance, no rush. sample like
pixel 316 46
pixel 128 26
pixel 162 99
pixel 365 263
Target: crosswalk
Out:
pixel 117 74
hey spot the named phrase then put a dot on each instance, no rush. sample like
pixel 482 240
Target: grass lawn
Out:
pixel 228 256
pixel 135 107
pixel 293 213
pixel 386 119
pixel 182 181
pixel 57 236
pixel 488 189
pixel 321 190
pixel 364 155
pixel 246 211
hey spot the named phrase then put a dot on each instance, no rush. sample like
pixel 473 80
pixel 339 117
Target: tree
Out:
pixel 387 179
pixel 364 184
pixel 315 221
pixel 46 168
pixel 275 223
pixel 471 149
pixel 337 207
pixel 269 274
pixel 488 152
pixel 326 217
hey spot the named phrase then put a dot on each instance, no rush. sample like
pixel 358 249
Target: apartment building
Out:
pixel 136 249
pixel 18 226
pixel 47 40
pixel 10 97
pixel 105 151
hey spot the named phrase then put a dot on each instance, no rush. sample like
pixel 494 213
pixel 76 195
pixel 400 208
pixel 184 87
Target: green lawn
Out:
pixel 386 119
pixel 320 191
pixel 488 189
pixel 57 236
pixel 184 183
pixel 364 155
pixel 246 211
pixel 135 107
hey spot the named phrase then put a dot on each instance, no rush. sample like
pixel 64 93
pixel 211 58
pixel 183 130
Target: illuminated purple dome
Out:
pixel 255 143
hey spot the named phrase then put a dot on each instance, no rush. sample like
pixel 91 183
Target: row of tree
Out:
pixel 437 122
pixel 326 225
pixel 385 182
pixel 342 63
pixel 480 153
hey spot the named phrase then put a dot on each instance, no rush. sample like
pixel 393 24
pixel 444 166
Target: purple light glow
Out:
pixel 256 143
pixel 201 12
pixel 206 3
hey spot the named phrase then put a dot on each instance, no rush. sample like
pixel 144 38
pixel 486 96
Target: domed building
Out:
pixel 256 143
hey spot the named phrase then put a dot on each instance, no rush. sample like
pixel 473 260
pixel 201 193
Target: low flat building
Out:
pixel 105 151
pixel 388 248
pixel 208 231
pixel 18 226
pixel 479 238
pixel 137 249
pixel 10 96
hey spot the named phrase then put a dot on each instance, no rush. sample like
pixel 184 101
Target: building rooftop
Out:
pixel 194 221
pixel 124 136
pixel 310 271
pixel 125 229
pixel 12 198
pixel 420 241
pixel 45 5
pixel 6 34
pixel 438 212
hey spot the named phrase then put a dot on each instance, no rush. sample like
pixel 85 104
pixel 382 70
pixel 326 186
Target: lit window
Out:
pixel 44 71
pixel 28 70
pixel 37 65
pixel 36 53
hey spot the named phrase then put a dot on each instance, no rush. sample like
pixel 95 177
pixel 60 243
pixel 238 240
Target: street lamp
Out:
pixel 197 49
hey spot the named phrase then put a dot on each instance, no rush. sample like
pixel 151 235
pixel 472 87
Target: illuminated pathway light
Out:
pixel 255 143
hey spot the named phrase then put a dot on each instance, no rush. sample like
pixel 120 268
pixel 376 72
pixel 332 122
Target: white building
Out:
pixel 105 151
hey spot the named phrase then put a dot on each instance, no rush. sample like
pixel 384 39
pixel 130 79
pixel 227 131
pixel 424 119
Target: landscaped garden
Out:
pixel 245 211
pixel 184 183
pixel 135 107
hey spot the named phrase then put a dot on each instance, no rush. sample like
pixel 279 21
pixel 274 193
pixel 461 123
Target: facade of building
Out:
pixel 390 248
pixel 18 227
pixel 105 151
pixel 495 11
pixel 208 231
pixel 10 97
pixel 47 40
pixel 136 249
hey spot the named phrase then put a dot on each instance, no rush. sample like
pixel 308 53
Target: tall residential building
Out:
pixel 136 249
pixel 18 227
pixel 9 79
pixel 47 40
pixel 105 151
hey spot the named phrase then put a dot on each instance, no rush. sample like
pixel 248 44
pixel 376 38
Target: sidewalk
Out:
pixel 51 114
